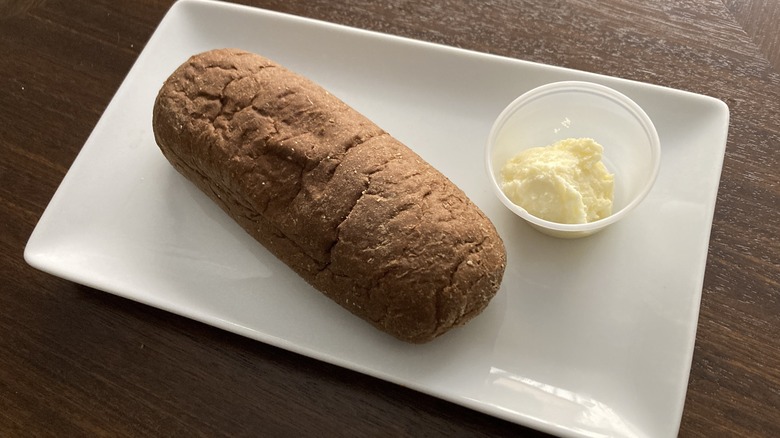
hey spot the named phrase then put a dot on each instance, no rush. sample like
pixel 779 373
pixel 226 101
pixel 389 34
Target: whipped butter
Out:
pixel 565 182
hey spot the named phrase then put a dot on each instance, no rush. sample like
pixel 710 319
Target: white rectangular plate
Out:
pixel 587 337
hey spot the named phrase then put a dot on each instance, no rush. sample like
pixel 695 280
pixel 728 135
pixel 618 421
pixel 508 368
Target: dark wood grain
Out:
pixel 759 19
pixel 78 362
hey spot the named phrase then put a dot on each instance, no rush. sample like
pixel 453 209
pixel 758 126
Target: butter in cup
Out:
pixel 574 109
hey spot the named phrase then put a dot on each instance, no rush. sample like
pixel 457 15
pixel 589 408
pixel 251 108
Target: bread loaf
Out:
pixel 353 211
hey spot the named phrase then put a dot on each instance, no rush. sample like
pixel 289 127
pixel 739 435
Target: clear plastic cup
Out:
pixel 574 109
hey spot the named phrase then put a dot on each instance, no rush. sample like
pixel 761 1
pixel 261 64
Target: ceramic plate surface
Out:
pixel 590 337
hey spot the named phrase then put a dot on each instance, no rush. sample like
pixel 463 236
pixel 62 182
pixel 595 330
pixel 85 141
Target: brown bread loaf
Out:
pixel 353 211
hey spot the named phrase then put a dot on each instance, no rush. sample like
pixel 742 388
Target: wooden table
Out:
pixel 75 361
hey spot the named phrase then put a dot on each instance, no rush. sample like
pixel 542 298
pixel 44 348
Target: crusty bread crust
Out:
pixel 353 211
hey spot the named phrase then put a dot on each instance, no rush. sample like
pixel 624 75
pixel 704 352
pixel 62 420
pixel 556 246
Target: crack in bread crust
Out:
pixel 353 211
